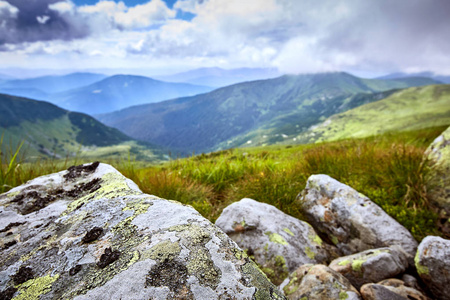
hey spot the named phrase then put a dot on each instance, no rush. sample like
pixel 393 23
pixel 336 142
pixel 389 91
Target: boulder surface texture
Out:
pixel 316 282
pixel 438 154
pixel 90 233
pixel 433 265
pixel 371 266
pixel 279 243
pixel 349 219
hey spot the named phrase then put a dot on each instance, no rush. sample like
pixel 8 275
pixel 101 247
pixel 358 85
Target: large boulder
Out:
pixel 349 219
pixel 278 242
pixel 371 266
pixel 318 282
pixel 438 179
pixel 90 233
pixel 433 265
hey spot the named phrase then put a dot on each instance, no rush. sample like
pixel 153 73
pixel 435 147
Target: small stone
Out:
pixel 373 291
pixel 371 266
pixel 318 282
pixel 433 265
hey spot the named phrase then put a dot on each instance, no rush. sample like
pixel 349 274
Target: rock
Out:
pixel 90 233
pixel 371 266
pixel 438 179
pixel 374 291
pixel 411 281
pixel 318 282
pixel 349 219
pixel 433 265
pixel 400 287
pixel 278 242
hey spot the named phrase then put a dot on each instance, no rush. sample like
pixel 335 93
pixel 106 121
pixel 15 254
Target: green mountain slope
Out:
pixel 48 130
pixel 266 110
pixel 408 109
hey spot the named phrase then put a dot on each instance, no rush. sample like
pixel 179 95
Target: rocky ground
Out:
pixel 90 233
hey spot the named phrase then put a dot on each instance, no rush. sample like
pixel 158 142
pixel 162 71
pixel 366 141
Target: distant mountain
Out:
pixel 51 131
pixel 399 75
pixel 120 91
pixel 5 77
pixel 218 77
pixel 250 113
pixel 49 84
pixel 408 109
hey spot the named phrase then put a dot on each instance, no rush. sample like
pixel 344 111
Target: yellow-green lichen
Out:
pixel 266 247
pixel 240 254
pixel 316 239
pixel 334 239
pixel 50 241
pixel 310 253
pixel 343 295
pixel 34 288
pixel 344 262
pixel 134 259
pixel 288 231
pixel 422 270
pixel 113 185
pixel 276 238
pixel 201 265
pixel 357 264
pixel 292 286
pixel 304 298
pixel 165 250
pixel 13 194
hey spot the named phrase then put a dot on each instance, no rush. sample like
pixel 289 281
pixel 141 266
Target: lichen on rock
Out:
pixel 110 241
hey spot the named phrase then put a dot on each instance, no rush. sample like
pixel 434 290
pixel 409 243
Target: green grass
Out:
pixel 389 169
pixel 410 109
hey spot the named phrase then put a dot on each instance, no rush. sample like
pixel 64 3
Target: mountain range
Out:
pixel 48 130
pixel 120 91
pixel 250 113
pixel 217 77
pixel 399 75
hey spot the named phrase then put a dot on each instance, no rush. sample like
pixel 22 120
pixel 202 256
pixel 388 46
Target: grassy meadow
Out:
pixel 388 168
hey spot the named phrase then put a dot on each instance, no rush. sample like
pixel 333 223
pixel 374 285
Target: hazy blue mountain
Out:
pixel 51 131
pixel 257 112
pixel 32 93
pixel 218 77
pixel 51 84
pixel 399 75
pixel 120 91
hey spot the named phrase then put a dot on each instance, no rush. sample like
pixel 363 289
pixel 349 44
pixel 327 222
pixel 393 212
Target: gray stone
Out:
pixel 349 219
pixel 90 233
pixel 433 265
pixel 372 291
pixel 371 266
pixel 318 282
pixel 399 287
pixel 438 178
pixel 278 242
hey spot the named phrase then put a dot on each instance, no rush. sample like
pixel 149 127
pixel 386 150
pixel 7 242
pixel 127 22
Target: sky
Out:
pixel 296 36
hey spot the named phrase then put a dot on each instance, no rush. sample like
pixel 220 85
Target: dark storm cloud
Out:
pixel 35 21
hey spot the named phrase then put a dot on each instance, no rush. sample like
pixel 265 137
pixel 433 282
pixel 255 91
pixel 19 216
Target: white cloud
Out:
pixel 62 7
pixel 42 19
pixel 294 35
pixel 7 9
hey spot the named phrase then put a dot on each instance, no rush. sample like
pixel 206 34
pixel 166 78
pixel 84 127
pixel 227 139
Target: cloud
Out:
pixel 46 20
pixel 294 35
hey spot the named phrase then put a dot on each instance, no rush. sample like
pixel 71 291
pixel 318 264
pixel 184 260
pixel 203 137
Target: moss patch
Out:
pixel 422 270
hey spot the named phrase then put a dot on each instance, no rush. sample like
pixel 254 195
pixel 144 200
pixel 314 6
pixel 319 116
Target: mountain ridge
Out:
pixel 222 117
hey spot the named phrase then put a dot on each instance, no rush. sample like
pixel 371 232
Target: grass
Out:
pixel 389 169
